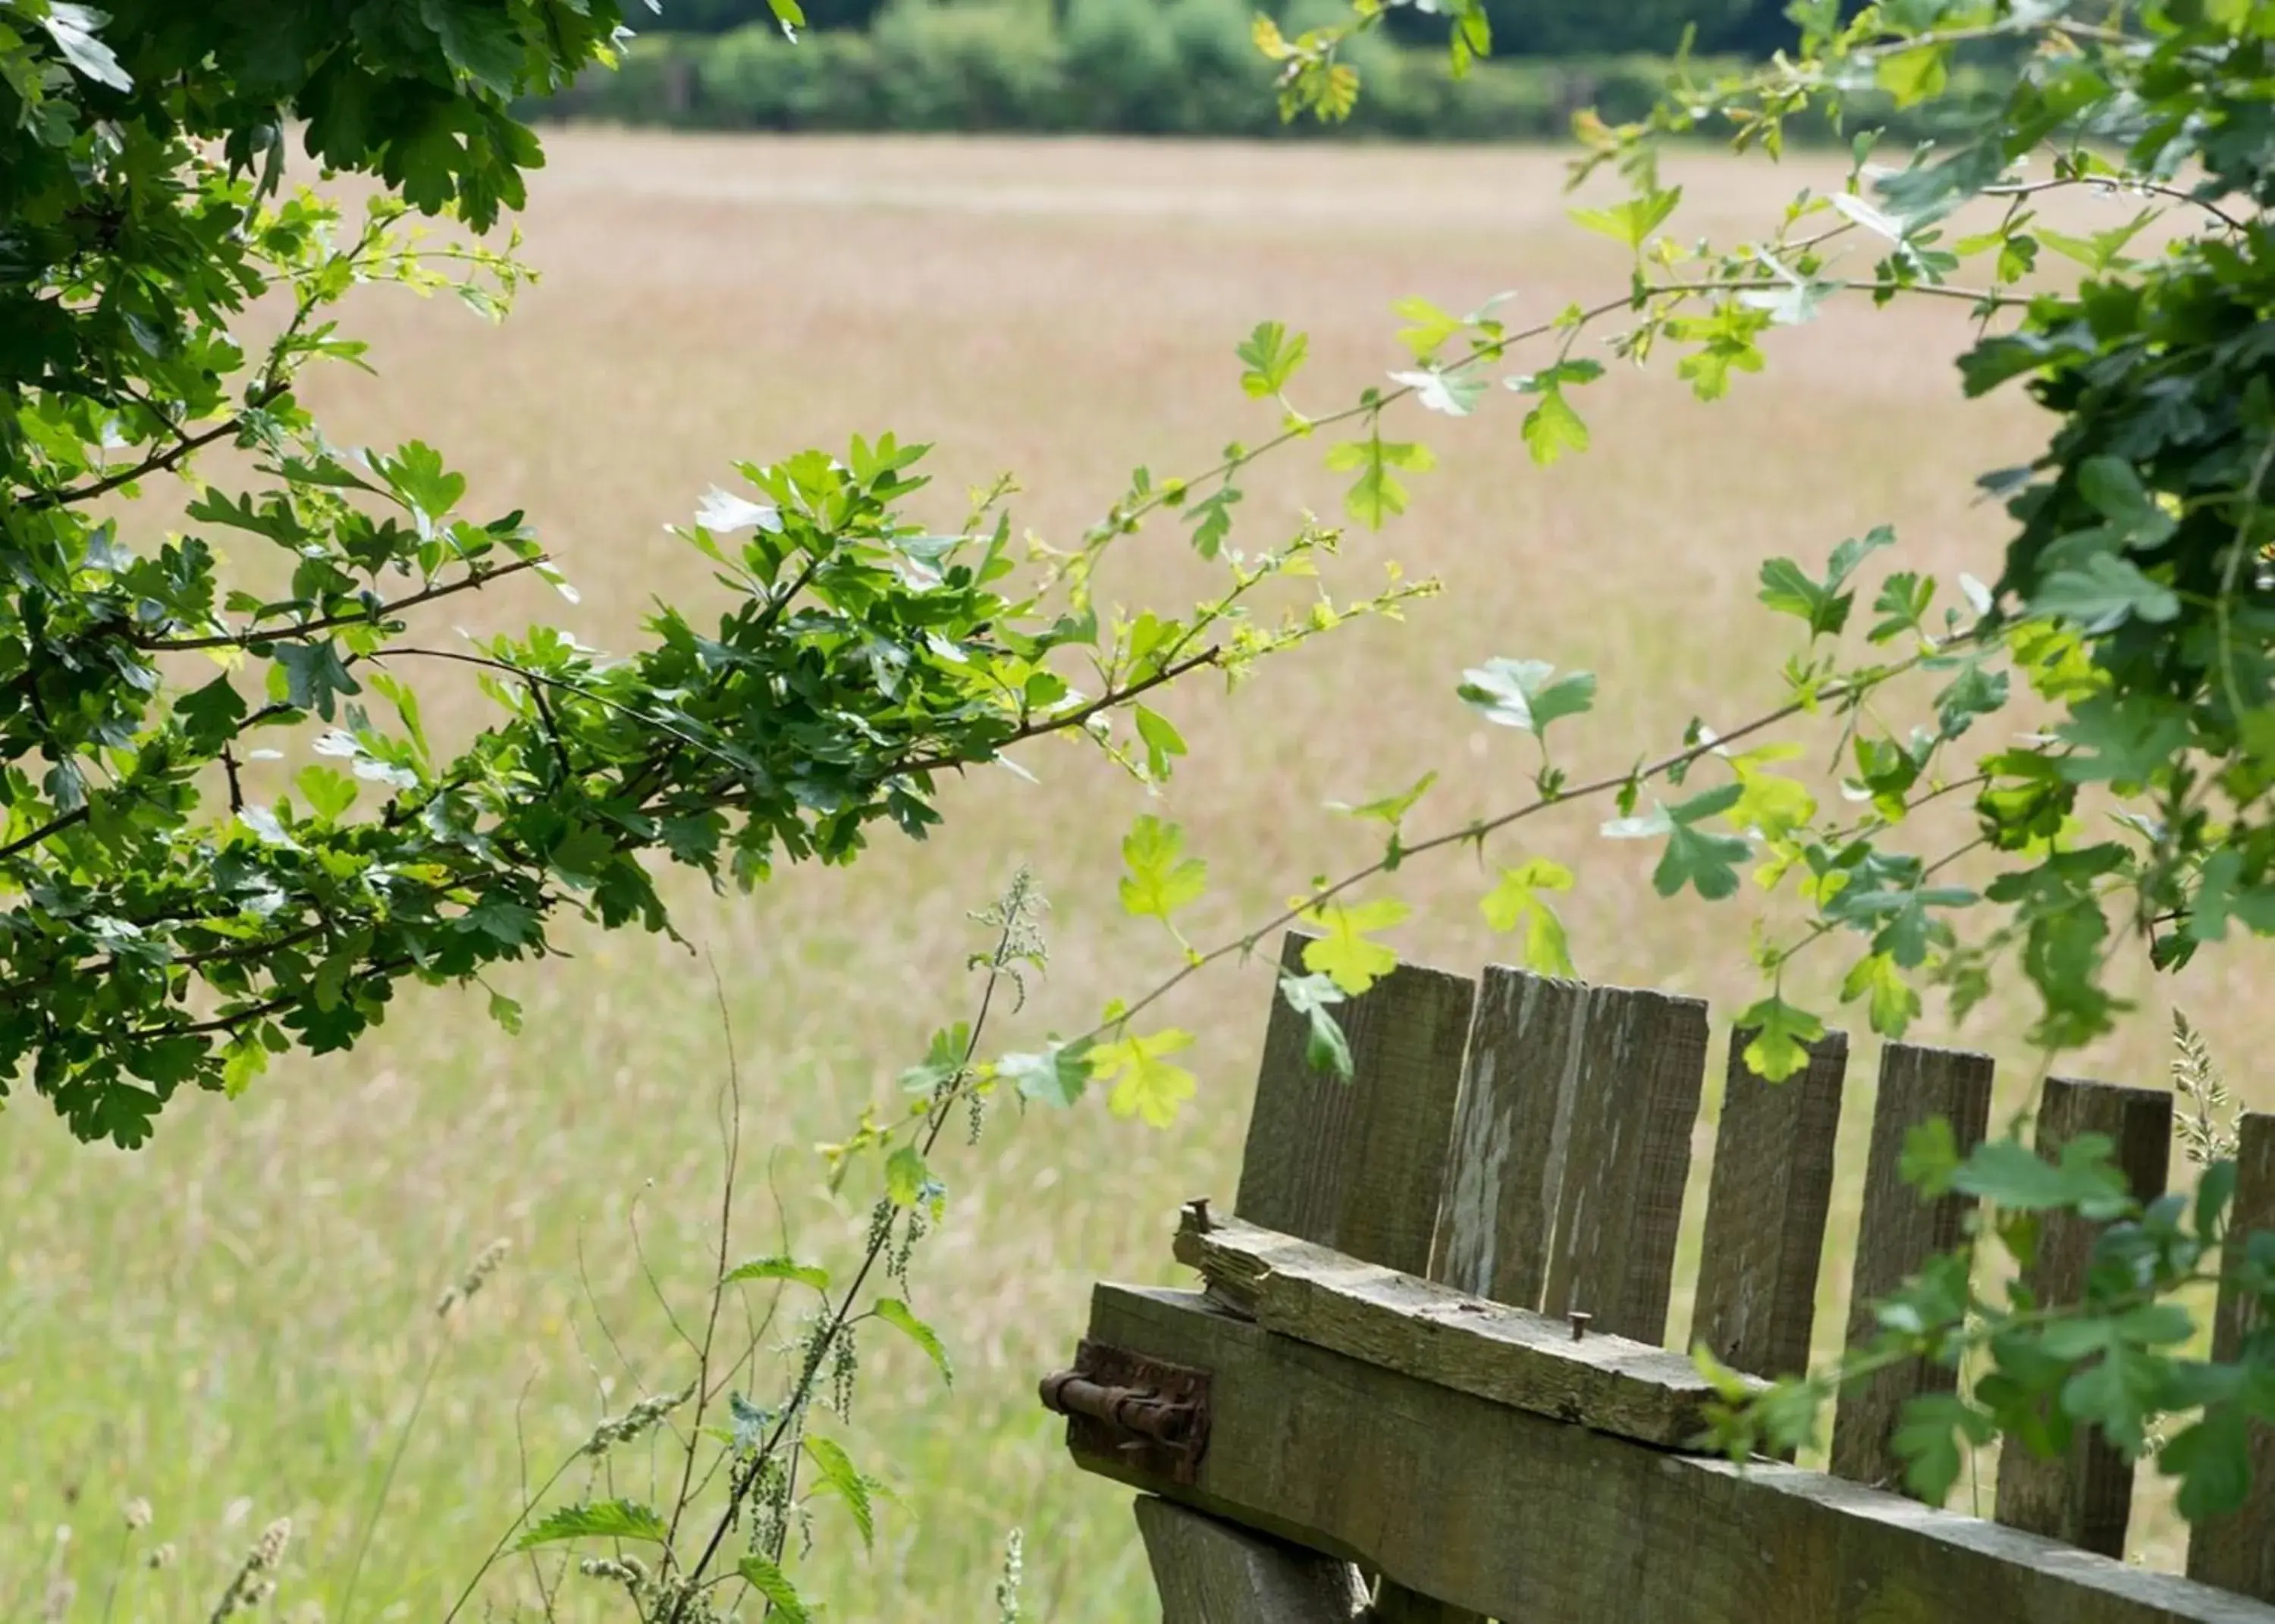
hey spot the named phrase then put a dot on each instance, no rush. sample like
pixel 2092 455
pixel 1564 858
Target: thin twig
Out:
pixel 730 1105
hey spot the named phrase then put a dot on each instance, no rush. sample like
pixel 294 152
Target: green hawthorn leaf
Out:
pixel 2116 1393
pixel 1903 603
pixel 480 40
pixel 2212 1459
pixel 1516 902
pixel 1932 1440
pixel 2102 594
pixel 1391 808
pixel 2122 739
pixel 615 1519
pixel 1271 355
pixel 1976 692
pixel 1325 1046
pixel 1055 1077
pixel 1633 220
pixel 781 1267
pixel 1894 1003
pixel 898 1314
pixel 1525 693
pixel 1161 879
pixel 1768 803
pixel 73 28
pixel 1344 952
pixel 314 675
pixel 2009 1173
pixel 1553 428
pixel 1793 302
pixel 1162 741
pixel 1453 392
pixel 1428 327
pixel 1931 1160
pixel 329 795
pixel 1377 492
pixel 582 854
pixel 1141 1081
pixel 244 1058
pixel 1914 75
pixel 210 714
pixel 1781 1032
pixel 1696 857
pixel 1212 520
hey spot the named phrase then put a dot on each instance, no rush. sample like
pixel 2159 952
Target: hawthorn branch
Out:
pixel 474 580
pixel 158 462
pixel 1479 830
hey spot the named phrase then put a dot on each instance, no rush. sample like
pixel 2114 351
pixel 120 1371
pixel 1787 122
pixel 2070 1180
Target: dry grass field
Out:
pixel 232 1322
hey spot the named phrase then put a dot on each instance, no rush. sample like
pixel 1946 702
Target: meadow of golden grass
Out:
pixel 232 1322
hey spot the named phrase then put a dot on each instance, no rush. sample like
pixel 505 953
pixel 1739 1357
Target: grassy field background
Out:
pixel 232 1322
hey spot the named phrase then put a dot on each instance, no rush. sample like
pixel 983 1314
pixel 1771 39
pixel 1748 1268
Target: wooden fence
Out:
pixel 1424 1378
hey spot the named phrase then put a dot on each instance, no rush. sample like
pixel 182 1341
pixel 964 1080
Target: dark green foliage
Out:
pixel 1111 66
pixel 175 912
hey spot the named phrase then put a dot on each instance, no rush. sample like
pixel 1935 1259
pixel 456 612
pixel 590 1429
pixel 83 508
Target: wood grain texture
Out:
pixel 1397 1606
pixel 1618 1207
pixel 1897 1232
pixel 1766 1204
pixel 2084 1496
pixel 1498 1214
pixel 1210 1572
pixel 1358 1166
pixel 1521 1518
pixel 1571 1148
pixel 2238 1551
pixel 1451 1339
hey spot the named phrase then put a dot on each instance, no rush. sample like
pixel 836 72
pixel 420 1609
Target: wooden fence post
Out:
pixel 1213 1573
pixel 1766 1210
pixel 2237 1551
pixel 2086 1496
pixel 1897 1232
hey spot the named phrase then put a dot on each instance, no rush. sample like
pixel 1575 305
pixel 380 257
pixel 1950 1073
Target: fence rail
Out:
pixel 1423 1378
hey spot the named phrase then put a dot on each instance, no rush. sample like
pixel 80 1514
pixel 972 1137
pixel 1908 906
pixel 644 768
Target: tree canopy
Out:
pixel 177 911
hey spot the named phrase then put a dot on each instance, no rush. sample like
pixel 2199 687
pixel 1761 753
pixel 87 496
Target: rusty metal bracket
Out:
pixel 1142 1412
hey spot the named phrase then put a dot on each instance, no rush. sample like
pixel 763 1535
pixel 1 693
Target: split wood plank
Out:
pixel 1358 1166
pixel 2237 1550
pixel 1766 1204
pixel 1518 1517
pixel 1449 1338
pixel 1210 1572
pixel 1571 1149
pixel 1897 1233
pixel 1512 1128
pixel 2084 1496
pixel 1395 1605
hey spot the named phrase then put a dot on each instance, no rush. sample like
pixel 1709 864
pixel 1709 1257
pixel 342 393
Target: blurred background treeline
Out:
pixel 1155 67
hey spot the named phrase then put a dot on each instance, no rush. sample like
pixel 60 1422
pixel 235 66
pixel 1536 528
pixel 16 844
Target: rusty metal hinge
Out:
pixel 1142 1412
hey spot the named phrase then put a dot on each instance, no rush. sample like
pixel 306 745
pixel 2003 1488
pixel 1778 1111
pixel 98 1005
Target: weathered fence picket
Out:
pixel 2238 1551
pixel 1422 1383
pixel 1897 1232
